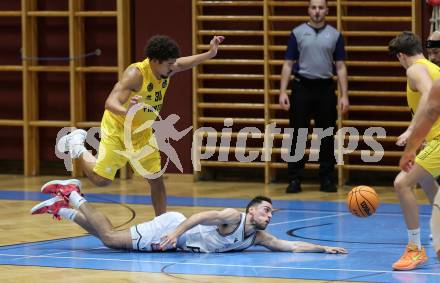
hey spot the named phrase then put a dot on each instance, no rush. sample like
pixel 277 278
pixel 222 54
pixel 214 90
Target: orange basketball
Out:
pixel 362 201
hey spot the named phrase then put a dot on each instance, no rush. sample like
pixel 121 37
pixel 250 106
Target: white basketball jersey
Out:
pixel 207 239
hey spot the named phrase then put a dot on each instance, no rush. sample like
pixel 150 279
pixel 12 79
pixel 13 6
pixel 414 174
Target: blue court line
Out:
pixel 212 202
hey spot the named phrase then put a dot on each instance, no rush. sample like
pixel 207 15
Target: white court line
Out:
pixel 49 254
pixel 345 213
pixel 313 218
pixel 58 253
pixel 400 214
pixel 230 265
pixel 277 211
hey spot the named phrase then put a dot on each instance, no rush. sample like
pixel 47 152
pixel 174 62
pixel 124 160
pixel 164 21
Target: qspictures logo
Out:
pixel 163 131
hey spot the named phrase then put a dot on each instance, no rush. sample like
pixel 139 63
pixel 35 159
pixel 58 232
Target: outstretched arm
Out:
pixel 274 244
pixel 226 216
pixel 185 63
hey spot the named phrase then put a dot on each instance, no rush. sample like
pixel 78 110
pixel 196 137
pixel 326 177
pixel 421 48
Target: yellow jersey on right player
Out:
pixel 413 97
pixel 152 93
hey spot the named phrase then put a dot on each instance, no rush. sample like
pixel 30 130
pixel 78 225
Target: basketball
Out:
pixel 362 201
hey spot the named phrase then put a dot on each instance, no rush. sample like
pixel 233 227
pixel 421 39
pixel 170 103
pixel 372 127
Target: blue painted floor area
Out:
pixel 373 243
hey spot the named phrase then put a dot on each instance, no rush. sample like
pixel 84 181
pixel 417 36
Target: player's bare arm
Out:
pixel 131 81
pixel 227 216
pixel 419 80
pixel 274 244
pixel 424 119
pixel 185 63
pixel 426 116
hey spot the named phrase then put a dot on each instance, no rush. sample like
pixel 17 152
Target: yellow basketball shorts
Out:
pixel 429 157
pixel 115 151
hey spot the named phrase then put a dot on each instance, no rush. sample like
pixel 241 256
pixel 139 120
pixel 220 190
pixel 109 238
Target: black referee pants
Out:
pixel 313 98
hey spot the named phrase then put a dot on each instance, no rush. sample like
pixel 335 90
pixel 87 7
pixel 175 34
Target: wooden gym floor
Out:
pixel 18 229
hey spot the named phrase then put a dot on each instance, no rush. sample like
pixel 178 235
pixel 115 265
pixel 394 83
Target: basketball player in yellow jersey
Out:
pixel 420 75
pixel 141 89
pixel 424 120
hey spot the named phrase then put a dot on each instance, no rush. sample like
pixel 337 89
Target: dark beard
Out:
pixel 260 226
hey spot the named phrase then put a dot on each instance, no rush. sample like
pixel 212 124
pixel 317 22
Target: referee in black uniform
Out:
pixel 314 51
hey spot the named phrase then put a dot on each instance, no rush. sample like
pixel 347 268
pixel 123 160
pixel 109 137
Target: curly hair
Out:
pixel 162 48
pixel 407 43
pixel 257 200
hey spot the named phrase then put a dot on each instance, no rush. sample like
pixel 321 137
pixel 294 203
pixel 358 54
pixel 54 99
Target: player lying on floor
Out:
pixel 210 231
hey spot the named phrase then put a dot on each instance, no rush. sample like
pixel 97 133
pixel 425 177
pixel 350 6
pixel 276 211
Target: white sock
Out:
pixel 76 144
pixel 414 237
pixel 67 213
pixel 77 150
pixel 76 200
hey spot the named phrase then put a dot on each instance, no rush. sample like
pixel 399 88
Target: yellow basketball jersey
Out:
pixel 152 93
pixel 413 97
